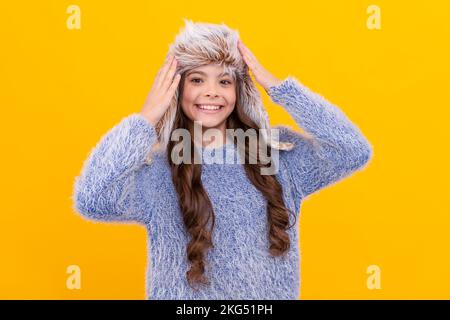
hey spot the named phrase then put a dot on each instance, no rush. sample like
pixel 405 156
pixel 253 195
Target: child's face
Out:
pixel 206 86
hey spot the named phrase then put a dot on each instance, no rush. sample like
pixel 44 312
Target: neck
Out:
pixel 211 139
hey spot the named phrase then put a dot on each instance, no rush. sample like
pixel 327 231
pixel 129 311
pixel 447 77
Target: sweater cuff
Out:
pixel 287 90
pixel 142 122
pixel 138 135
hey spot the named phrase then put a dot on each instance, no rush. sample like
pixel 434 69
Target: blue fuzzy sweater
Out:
pixel 117 185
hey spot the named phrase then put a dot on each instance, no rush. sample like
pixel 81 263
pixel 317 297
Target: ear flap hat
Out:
pixel 199 44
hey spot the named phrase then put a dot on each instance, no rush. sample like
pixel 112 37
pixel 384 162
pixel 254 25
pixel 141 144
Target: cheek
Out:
pixel 231 99
pixel 189 95
pixel 187 99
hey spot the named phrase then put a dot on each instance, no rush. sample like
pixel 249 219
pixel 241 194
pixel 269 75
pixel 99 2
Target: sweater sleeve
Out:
pixel 105 190
pixel 333 146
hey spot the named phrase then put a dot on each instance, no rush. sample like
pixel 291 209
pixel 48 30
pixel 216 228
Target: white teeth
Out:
pixel 208 107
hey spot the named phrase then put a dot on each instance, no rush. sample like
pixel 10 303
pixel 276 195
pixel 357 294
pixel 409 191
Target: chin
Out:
pixel 209 123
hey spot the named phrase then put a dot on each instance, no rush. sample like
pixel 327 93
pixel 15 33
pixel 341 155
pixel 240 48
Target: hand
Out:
pixel 162 91
pixel 262 76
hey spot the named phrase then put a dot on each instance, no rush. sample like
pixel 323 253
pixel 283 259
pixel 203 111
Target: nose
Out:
pixel 211 91
pixel 211 94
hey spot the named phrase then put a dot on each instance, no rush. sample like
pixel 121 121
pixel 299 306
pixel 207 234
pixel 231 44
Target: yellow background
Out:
pixel 62 89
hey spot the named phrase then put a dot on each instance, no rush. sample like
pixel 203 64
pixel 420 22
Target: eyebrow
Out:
pixel 203 73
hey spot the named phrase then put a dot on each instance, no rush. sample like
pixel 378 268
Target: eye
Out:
pixel 193 80
pixel 229 82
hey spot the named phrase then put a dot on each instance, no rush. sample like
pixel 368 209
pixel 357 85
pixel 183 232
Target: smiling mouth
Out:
pixel 209 109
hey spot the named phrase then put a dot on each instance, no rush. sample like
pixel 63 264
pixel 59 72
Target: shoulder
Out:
pixel 298 139
pixel 304 152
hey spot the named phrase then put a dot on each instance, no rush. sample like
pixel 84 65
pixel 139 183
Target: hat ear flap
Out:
pixel 164 127
pixel 251 103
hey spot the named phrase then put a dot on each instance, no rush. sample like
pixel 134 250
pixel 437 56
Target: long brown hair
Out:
pixel 196 207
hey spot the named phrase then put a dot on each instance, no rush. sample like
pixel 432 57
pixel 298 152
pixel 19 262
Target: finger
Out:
pixel 240 46
pixel 163 71
pixel 245 57
pixel 250 63
pixel 243 52
pixel 243 48
pixel 174 85
pixel 169 76
pixel 247 50
pixel 166 61
pixel 251 57
pixel 157 79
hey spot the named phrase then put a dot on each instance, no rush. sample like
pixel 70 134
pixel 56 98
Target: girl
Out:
pixel 218 230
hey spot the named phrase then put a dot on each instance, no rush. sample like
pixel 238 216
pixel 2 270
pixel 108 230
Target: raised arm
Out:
pixel 333 148
pixel 106 188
